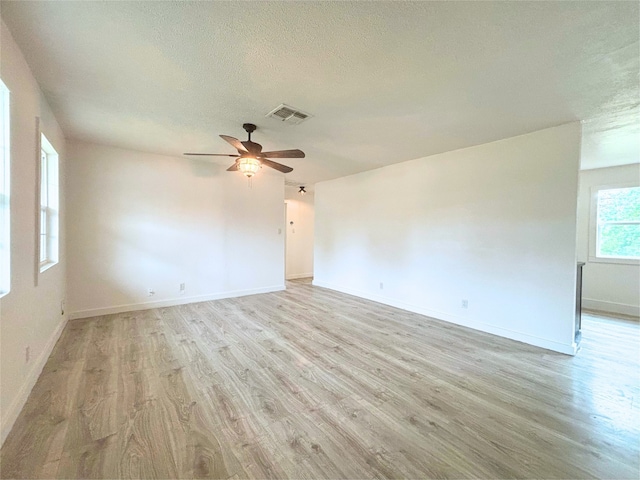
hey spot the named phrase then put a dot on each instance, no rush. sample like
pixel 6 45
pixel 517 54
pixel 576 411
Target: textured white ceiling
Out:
pixel 386 82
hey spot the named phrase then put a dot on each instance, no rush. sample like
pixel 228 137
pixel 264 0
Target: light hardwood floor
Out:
pixel 311 383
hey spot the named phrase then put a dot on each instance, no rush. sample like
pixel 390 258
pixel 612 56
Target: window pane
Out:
pixel 620 241
pixel 43 234
pixel 43 248
pixel 44 181
pixel 619 205
pixel 49 204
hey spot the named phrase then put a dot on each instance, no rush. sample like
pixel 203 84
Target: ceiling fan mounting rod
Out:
pixel 249 128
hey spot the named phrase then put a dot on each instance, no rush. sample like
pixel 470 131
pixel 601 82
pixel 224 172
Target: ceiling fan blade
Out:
pixel 212 154
pixel 233 168
pixel 252 147
pixel 237 144
pixel 284 154
pixel 277 166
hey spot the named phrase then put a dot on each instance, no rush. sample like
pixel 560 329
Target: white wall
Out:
pixel 299 246
pixel 140 221
pixel 30 315
pixel 606 286
pixel 493 224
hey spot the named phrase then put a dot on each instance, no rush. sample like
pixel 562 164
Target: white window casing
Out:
pixel 599 226
pixel 5 190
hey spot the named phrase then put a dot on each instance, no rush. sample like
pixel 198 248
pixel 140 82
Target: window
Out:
pixel 617 224
pixel 48 205
pixel 5 211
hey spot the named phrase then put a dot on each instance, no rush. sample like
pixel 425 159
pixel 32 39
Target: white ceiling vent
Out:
pixel 287 114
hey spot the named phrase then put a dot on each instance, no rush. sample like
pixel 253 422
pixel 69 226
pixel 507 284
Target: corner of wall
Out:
pixel 11 415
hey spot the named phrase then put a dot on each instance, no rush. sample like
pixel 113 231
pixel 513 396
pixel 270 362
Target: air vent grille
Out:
pixel 288 114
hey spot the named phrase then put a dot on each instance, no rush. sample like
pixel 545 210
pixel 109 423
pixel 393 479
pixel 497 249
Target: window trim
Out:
pixel 5 210
pixel 594 227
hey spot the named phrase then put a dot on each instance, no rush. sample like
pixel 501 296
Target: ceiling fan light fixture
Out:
pixel 302 191
pixel 249 166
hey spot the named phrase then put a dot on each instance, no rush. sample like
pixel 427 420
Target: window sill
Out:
pixel 46 266
pixel 613 260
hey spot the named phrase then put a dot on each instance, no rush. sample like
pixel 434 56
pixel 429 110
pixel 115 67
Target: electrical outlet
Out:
pixel 27 354
pixel 465 303
pixel 151 292
pixel 182 288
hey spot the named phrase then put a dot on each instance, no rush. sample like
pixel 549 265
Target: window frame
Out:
pixel 49 201
pixel 5 190
pixel 594 226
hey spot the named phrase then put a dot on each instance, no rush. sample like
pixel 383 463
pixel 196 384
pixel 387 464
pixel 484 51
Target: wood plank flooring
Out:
pixel 311 383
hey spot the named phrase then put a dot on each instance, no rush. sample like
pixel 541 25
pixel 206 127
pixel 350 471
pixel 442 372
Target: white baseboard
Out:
pixel 294 276
pixel 94 312
pixel 11 415
pixel 568 349
pixel 610 307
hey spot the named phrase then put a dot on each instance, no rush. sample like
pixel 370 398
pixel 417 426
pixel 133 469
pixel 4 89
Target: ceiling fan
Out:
pixel 250 156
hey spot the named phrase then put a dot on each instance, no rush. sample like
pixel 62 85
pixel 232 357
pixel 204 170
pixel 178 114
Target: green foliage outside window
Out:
pixel 619 222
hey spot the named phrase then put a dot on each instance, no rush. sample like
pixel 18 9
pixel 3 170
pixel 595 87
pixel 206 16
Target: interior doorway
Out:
pixel 299 222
